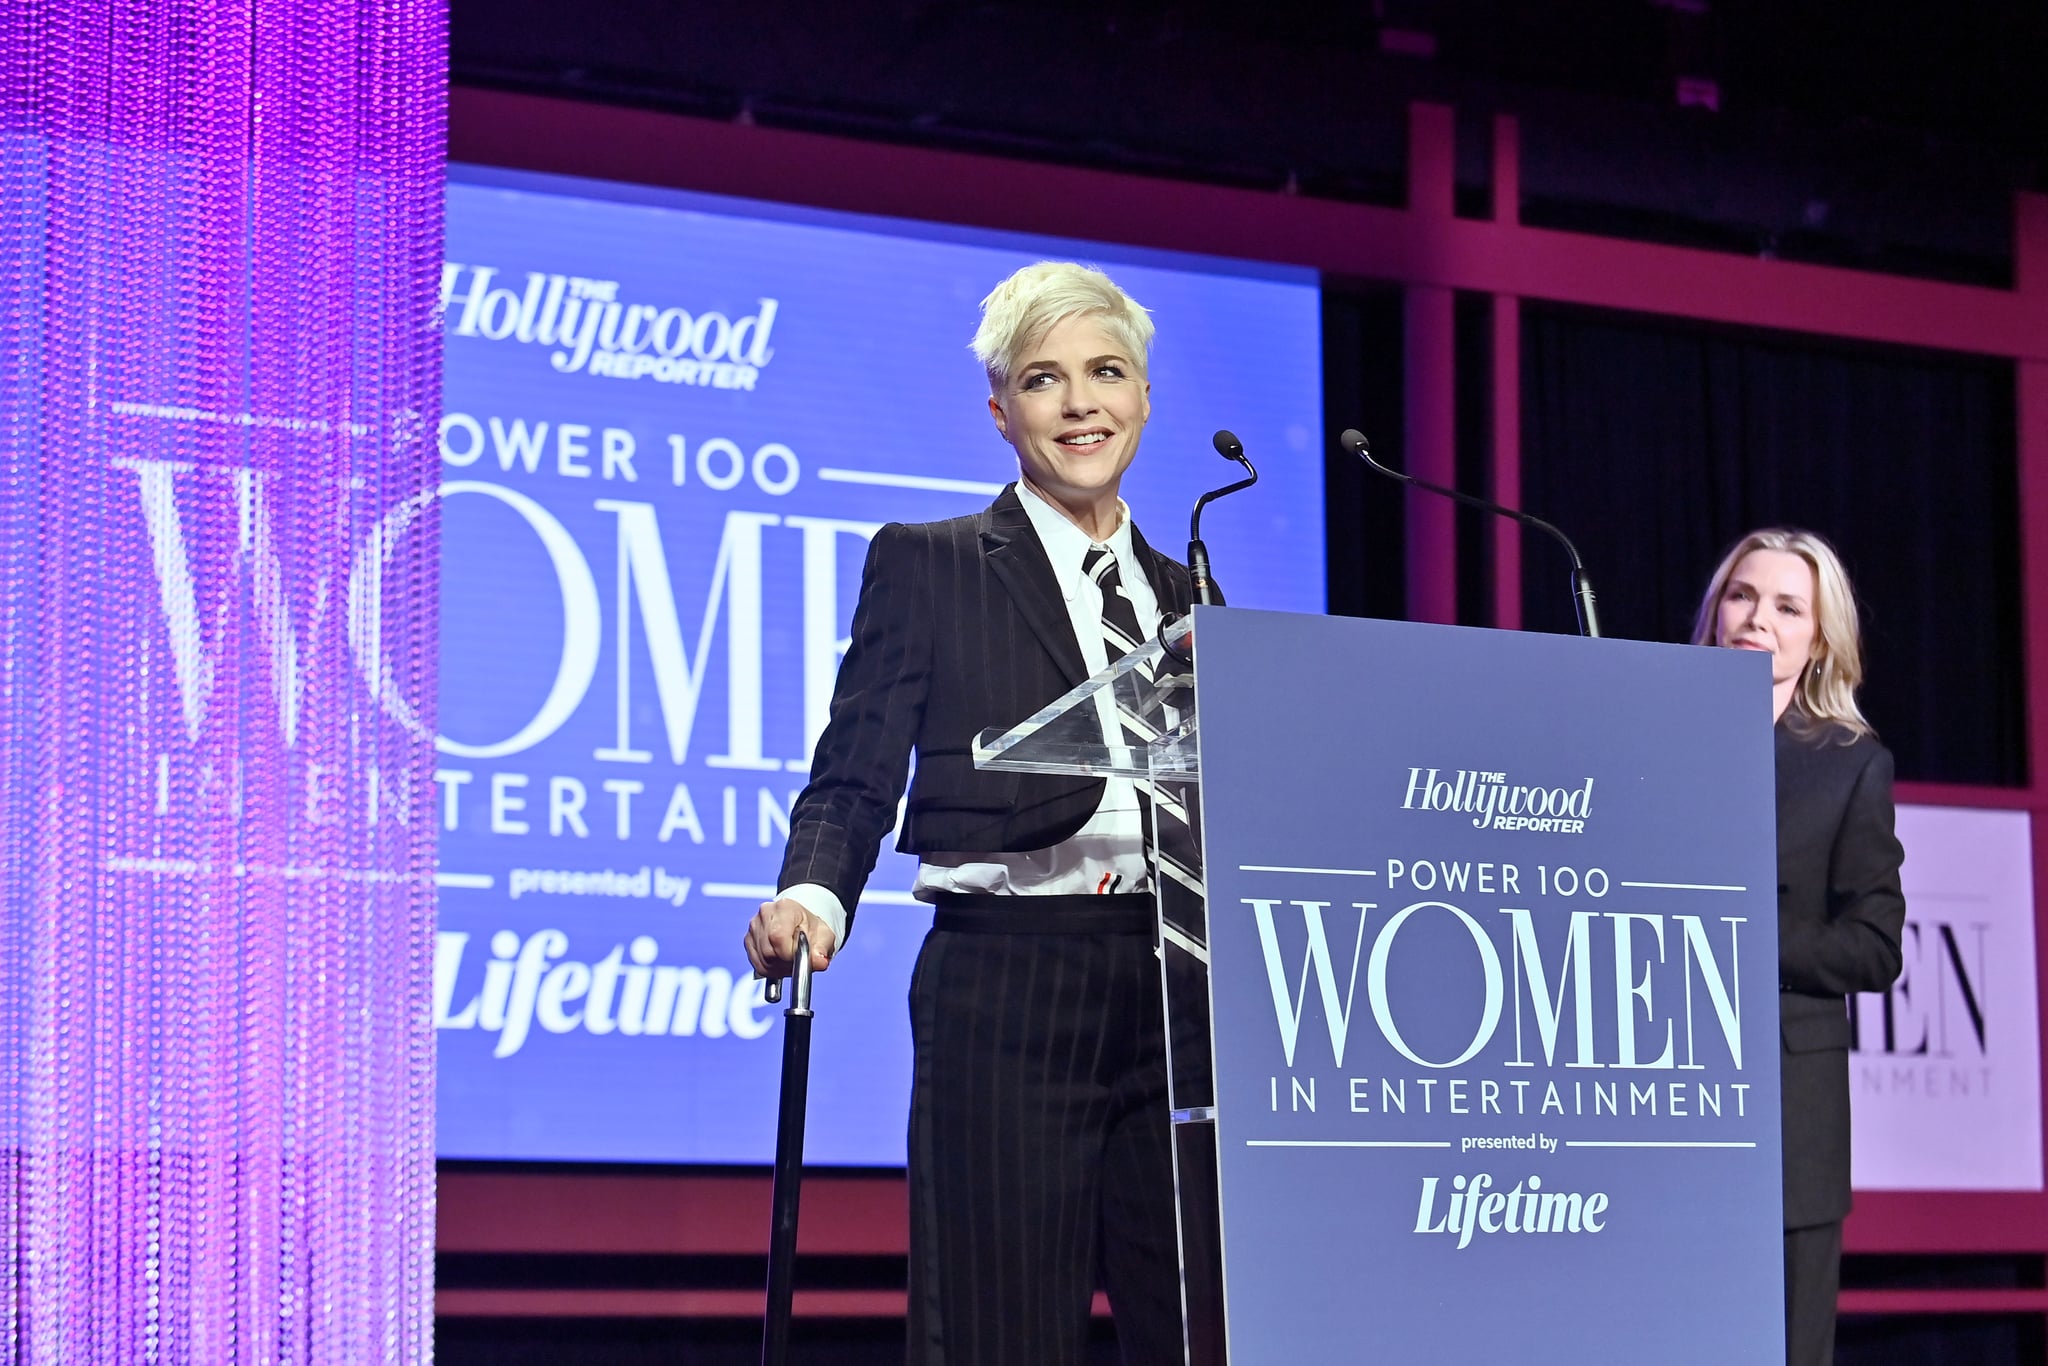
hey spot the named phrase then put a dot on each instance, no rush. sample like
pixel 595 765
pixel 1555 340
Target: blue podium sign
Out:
pixel 1493 945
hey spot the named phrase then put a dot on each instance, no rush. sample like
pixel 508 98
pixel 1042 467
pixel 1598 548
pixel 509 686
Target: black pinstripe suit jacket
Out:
pixel 960 625
pixel 1840 916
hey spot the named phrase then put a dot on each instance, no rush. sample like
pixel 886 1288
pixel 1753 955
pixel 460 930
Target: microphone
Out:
pixel 1230 448
pixel 1582 586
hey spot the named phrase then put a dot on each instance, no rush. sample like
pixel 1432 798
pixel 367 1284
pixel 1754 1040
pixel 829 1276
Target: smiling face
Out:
pixel 1073 408
pixel 1768 605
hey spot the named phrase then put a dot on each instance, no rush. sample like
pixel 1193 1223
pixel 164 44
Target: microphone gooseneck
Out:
pixel 1230 448
pixel 1354 441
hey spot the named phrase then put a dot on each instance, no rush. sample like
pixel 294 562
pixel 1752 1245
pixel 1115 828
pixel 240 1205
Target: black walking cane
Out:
pixel 789 1156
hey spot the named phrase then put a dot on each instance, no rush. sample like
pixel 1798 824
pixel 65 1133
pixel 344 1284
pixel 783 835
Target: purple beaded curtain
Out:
pixel 220 237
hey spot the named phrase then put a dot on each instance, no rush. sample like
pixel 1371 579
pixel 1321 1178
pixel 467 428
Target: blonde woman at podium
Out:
pixel 1840 909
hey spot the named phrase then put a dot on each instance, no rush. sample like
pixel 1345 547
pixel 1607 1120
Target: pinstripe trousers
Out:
pixel 1040 1157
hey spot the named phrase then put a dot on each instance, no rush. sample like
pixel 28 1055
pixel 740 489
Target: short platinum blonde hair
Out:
pixel 1827 689
pixel 1018 313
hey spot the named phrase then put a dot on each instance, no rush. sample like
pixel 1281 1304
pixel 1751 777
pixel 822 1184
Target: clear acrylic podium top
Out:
pixel 1136 719
pixel 1147 696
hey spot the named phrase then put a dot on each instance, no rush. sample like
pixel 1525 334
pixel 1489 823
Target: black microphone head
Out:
pixel 1354 441
pixel 1227 445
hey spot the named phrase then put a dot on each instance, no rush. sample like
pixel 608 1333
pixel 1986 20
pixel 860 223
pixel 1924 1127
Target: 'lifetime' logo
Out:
pixel 1532 1210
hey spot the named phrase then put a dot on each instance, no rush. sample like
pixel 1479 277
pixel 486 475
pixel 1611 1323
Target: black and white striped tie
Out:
pixel 1120 636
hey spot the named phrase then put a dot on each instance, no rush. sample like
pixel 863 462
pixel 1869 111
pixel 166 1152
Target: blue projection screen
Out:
pixel 671 424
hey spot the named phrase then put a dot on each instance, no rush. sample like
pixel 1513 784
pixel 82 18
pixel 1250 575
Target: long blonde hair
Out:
pixel 1827 689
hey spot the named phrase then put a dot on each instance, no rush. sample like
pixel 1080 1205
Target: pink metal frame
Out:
pixel 1430 251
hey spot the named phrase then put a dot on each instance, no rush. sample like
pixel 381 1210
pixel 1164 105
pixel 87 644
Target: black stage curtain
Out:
pixel 1655 445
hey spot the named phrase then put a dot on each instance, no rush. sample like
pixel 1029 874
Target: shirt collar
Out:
pixel 1066 545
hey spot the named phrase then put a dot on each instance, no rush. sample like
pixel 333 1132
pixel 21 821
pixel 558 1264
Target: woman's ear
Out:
pixel 995 410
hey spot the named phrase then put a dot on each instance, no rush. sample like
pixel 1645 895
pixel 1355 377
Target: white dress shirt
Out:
pixel 1108 853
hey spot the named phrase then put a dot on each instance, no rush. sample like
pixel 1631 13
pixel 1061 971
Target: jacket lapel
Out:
pixel 1011 550
pixel 1169 581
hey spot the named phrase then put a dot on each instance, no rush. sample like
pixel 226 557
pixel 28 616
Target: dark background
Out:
pixel 1887 137
pixel 1877 136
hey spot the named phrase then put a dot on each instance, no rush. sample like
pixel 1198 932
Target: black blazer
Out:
pixel 961 625
pixel 1840 917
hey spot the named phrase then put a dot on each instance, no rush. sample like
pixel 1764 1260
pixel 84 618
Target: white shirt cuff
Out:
pixel 822 902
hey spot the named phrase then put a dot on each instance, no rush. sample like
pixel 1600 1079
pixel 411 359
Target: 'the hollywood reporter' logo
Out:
pixel 593 331
pixel 1496 804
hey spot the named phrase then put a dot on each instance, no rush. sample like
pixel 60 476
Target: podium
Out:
pixel 1468 941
